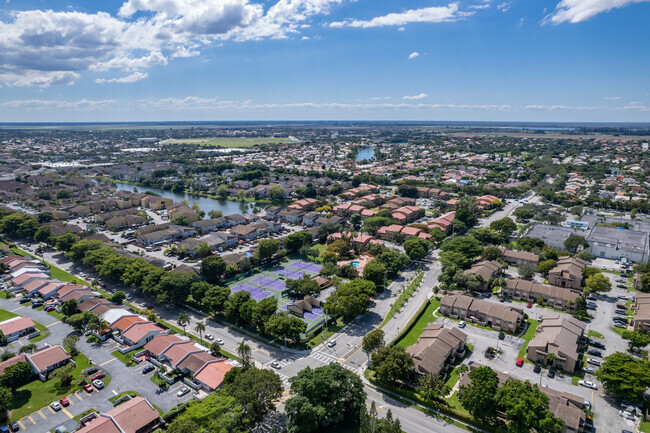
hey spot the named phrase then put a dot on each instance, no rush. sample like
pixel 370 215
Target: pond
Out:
pixel 206 204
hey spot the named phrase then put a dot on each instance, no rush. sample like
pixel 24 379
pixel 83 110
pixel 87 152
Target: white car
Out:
pixel 331 343
pixel 98 384
pixel 209 337
pixel 220 341
pixel 462 324
pixel 276 365
pixel 184 390
pixel 55 405
pixel 627 415
pixel 587 384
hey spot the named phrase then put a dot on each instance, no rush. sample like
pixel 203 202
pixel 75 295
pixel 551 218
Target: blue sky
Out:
pixel 147 60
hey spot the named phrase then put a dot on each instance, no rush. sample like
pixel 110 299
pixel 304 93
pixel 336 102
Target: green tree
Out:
pixel 64 374
pixel 573 242
pixel 232 305
pixel 263 310
pixel 504 225
pixel 118 297
pixel 215 349
pixel 69 307
pixel 16 375
pixel 465 245
pixel 6 398
pixel 203 249
pixel 244 353
pixel 213 268
pixel 526 408
pixel 491 253
pixel 479 397
pixel 373 341
pixel 65 241
pixel 276 192
pixel 181 220
pixel 215 299
pixel 324 397
pixel 347 301
pixel 303 286
pixel 526 271
pixel 200 328
pixel 432 387
pixel 256 391
pixel 267 248
pixel 28 348
pixel 70 344
pixel 545 266
pixel 635 339
pixel 356 220
pixel 43 234
pixel 376 272
pixel 599 283
pixel 392 364
pixel 416 248
pixel 297 240
pixel 215 213
pixel 183 320
pixel 437 235
pixel 285 325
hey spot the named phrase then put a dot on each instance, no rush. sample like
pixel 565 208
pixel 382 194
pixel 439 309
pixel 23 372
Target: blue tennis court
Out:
pixel 309 267
pixel 256 293
pixel 289 273
pixel 271 283
pixel 314 314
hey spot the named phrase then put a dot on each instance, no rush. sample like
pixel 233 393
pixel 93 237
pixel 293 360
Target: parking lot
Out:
pixel 123 378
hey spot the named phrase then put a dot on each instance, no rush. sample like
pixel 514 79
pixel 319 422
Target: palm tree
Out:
pixel 551 358
pixel 244 352
pixel 183 320
pixel 200 328
pixel 215 349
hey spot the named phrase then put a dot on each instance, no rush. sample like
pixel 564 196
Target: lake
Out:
pixel 206 204
pixel 366 154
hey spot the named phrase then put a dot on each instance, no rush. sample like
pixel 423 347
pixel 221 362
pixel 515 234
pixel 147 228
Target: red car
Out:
pixel 64 402
pixel 519 362
pixel 88 387
pixel 529 305
pixel 97 376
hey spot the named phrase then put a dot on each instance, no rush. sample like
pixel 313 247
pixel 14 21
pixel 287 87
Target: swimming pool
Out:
pixel 355 264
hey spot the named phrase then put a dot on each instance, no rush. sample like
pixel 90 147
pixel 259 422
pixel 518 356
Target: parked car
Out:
pixel 98 384
pixel 597 344
pixel 91 370
pixel 519 362
pixel 64 402
pixel 181 392
pixel 462 324
pixel 220 341
pixel 589 370
pixel 148 369
pixel 595 352
pixel 537 368
pixel 88 387
pixel 622 297
pixel 587 384
pixel 627 415
pixel 586 405
pixel 14 426
pixel 502 336
pixel 620 319
pixel 209 337
pixel 98 376
pixel 551 373
pixel 621 312
pixel 55 405
pixel 620 325
pixel 276 365
pixel 529 305
pixel 332 343
pixel 593 361
pixel 620 306
pixel 621 286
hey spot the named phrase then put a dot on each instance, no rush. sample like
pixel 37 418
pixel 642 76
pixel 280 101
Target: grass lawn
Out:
pixel 645 426
pixel 595 334
pixel 332 328
pixel 36 394
pixel 528 335
pixel 6 315
pixel 84 413
pixel 454 374
pixel 418 327
pixel 124 357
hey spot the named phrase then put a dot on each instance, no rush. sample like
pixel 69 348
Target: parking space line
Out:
pixel 110 360
pixel 65 411
pixel 22 426
pixel 179 386
pixel 41 414
pixel 52 324
pixel 114 392
pixel 77 395
pixel 31 419
pixel 50 408
pixel 20 342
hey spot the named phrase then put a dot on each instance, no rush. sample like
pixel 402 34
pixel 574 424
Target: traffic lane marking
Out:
pixel 110 360
pixel 376 407
pixel 16 309
pixel 52 324
pixel 172 390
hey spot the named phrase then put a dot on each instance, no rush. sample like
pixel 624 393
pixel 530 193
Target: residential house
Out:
pixel 437 348
pixel 567 272
pixel 17 327
pixel 47 360
pixel 553 296
pixel 641 308
pixel 499 317
pixel 519 258
pixel 561 336
pixel 134 416
pixel 485 271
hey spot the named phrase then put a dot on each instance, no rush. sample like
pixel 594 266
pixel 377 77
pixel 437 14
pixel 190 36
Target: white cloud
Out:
pixel 40 104
pixel 413 55
pixel 612 98
pixel 505 6
pixel 136 76
pixel 481 6
pixel 575 11
pixel 46 47
pixel 416 97
pixel 436 14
